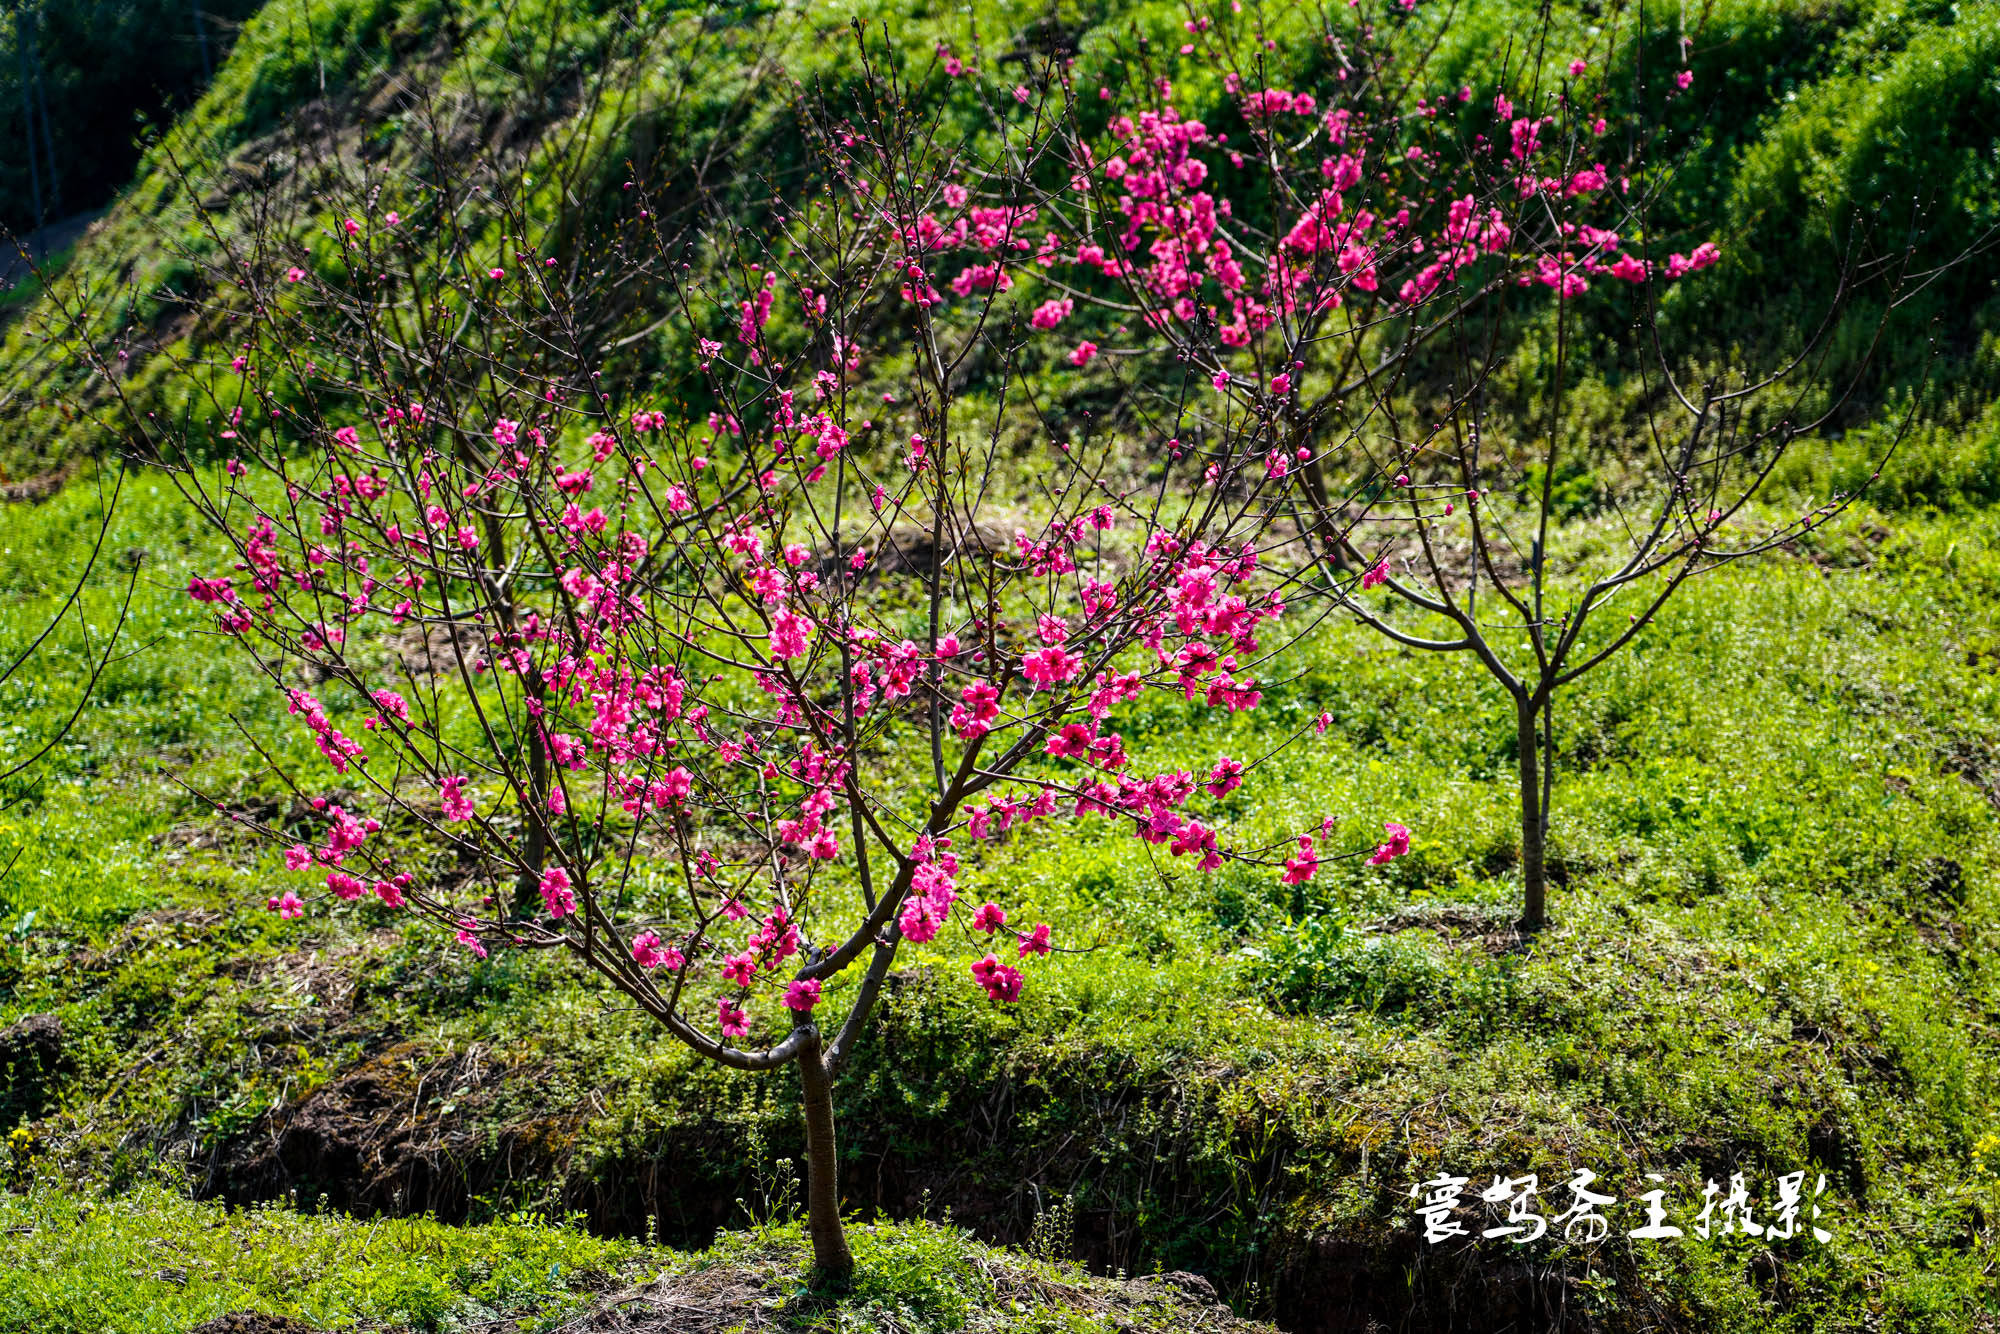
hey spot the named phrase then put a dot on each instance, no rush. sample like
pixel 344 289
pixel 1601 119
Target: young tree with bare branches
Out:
pixel 1372 258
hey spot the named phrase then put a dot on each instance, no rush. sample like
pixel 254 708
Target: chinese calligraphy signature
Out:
pixel 1442 1210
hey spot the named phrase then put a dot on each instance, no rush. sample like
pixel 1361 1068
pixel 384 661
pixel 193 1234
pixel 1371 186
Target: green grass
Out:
pixel 150 1262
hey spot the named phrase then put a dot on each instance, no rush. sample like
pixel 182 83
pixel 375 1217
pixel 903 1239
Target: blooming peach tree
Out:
pixel 718 677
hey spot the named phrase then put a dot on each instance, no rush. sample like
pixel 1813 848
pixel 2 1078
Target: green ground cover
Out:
pixel 1775 950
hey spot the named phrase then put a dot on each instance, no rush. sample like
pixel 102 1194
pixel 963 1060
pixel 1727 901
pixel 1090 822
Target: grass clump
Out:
pixel 152 1262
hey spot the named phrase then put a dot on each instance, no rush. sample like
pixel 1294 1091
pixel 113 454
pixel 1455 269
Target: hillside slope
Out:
pixel 1809 127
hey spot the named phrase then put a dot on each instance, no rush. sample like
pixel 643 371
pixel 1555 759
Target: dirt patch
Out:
pixel 404 1132
pixel 411 1130
pixel 254 1322
pixel 427 649
pixel 1393 1282
pixel 34 490
pixel 33 1060
pixel 1495 930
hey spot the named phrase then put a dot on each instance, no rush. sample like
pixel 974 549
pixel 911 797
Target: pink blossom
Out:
pixel 1304 866
pixel 1002 983
pixel 1225 777
pixel 789 633
pixel 1051 313
pixel 921 919
pixel 1704 255
pixel 466 927
pixel 347 835
pixel 457 806
pixel 295 274
pixel 802 995
pixel 1398 843
pixel 972 719
pixel 649 952
pixel 210 590
pixel 990 918
pixel 1049 667
pixel 1683 79
pixel 1082 354
pixel 287 905
pixel 556 892
pixel 731 1018
pixel 1377 574
pixel 1036 941
pixel 1628 267
pixel 982 278
pixel 739 968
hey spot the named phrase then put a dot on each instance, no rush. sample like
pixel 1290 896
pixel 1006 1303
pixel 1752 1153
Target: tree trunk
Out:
pixel 42 106
pixel 1534 819
pixel 23 39
pixel 833 1263
pixel 201 40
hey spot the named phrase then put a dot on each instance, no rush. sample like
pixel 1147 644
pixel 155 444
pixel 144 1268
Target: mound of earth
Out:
pixel 760 1290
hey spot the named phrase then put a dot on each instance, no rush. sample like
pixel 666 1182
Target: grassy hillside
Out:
pixel 1777 845
pixel 1812 133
